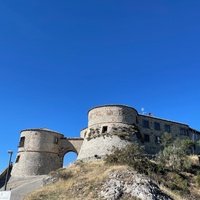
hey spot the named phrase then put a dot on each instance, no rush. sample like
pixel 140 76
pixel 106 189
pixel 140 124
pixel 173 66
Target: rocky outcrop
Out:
pixel 128 184
pixel 96 180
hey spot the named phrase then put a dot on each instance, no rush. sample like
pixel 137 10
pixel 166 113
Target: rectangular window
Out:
pixel 17 159
pixel 157 126
pixel 184 131
pixel 145 123
pixel 146 138
pixel 55 140
pixel 21 142
pixel 104 129
pixel 167 128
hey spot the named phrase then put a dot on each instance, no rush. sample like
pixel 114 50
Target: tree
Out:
pixel 174 154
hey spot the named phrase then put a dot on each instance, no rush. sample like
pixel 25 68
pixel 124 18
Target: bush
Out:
pixel 166 140
pixel 174 155
pixel 133 156
pixel 127 155
pixel 176 182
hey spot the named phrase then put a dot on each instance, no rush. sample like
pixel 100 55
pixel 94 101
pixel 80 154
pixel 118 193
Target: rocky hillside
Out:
pixel 97 180
pixel 128 173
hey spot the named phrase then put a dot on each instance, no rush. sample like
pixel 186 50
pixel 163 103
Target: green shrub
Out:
pixel 177 183
pixel 127 155
pixel 174 155
pixel 133 156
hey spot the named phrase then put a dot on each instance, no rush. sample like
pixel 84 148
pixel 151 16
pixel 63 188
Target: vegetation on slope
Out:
pixel 177 173
pixel 78 181
pixel 173 168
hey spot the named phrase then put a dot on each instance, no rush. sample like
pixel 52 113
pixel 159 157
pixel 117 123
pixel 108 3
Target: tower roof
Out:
pixel 112 105
pixel 40 129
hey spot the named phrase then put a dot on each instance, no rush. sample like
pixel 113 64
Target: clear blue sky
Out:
pixel 60 58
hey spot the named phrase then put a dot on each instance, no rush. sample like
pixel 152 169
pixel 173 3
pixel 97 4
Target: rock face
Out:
pixel 97 180
pixel 129 184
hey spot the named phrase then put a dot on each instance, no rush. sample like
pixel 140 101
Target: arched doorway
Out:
pixel 69 158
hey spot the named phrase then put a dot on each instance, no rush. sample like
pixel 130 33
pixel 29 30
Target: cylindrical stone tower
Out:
pixel 108 126
pixel 38 153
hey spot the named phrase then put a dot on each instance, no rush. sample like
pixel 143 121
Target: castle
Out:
pixel 41 151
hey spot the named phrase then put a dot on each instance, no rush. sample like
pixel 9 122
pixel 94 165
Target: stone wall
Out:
pixel 117 117
pixel 112 114
pixel 100 146
pixel 153 145
pixel 76 143
pixel 40 147
pixel 36 163
pixel 108 126
pixel 41 151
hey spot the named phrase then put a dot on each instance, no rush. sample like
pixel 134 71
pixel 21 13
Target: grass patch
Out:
pixel 77 182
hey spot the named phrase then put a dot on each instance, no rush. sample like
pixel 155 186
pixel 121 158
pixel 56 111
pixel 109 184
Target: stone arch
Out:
pixel 69 157
pixel 69 145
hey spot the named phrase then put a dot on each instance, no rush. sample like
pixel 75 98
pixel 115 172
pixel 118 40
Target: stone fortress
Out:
pixel 41 151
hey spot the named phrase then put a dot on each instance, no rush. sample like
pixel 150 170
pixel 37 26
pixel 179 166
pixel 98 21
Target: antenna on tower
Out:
pixel 142 109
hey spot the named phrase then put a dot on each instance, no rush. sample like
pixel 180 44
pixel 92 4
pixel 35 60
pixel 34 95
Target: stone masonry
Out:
pixel 42 150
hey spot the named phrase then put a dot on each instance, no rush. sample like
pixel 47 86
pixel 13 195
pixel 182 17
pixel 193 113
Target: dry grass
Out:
pixel 194 191
pixel 172 194
pixel 194 159
pixel 83 182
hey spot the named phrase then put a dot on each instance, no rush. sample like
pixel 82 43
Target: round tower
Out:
pixel 38 152
pixel 108 126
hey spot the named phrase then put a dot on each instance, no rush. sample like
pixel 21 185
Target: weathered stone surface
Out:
pixel 42 152
pixel 108 126
pixel 100 146
pixel 131 184
pixel 112 113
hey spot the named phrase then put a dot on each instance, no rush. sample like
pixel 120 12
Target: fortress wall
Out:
pixel 97 129
pixel 100 146
pixel 36 163
pixel 41 150
pixel 41 140
pixel 106 126
pixel 97 143
pixel 76 143
pixel 39 154
pixel 83 132
pixel 112 114
pixel 70 145
pixel 175 127
pixel 152 146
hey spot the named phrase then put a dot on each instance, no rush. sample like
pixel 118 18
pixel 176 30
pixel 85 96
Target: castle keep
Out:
pixel 41 151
